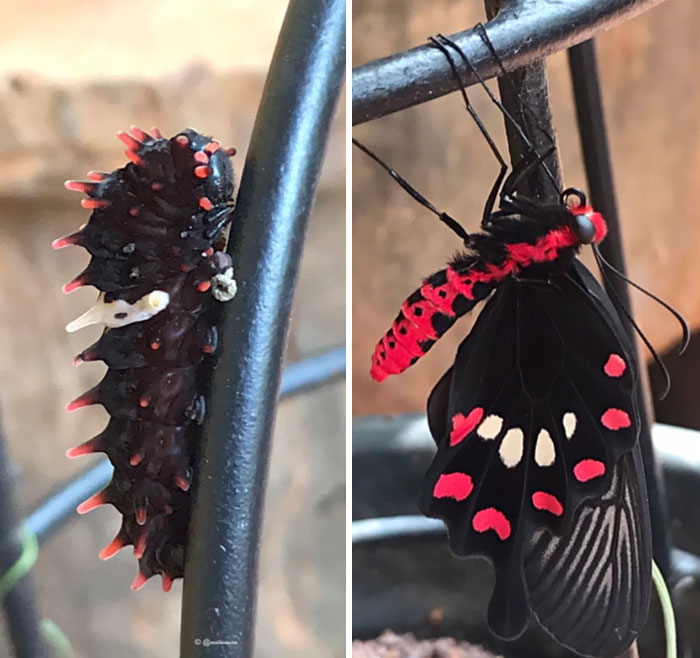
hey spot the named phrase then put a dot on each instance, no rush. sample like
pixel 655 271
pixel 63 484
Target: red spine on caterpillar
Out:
pixel 156 246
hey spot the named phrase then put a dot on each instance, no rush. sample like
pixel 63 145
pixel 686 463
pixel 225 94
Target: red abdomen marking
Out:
pixel 465 425
pixel 615 419
pixel 587 469
pixel 615 366
pixel 442 297
pixel 453 485
pixel 547 502
pixel 421 314
pixel 492 519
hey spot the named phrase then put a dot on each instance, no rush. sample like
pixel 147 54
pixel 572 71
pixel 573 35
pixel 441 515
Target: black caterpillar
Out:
pixel 156 242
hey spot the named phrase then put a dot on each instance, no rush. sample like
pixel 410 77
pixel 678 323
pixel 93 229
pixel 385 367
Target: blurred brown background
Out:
pixel 71 75
pixel 649 70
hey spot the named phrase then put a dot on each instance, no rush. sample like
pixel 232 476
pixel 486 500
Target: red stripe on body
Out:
pixel 441 297
pixel 421 314
pixel 397 352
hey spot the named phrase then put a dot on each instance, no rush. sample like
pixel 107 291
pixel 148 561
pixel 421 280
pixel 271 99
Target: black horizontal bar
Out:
pixel 59 506
pixel 523 32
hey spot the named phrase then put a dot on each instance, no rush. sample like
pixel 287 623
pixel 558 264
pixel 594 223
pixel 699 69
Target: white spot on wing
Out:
pixel 490 427
pixel 544 449
pixel 511 449
pixel 569 422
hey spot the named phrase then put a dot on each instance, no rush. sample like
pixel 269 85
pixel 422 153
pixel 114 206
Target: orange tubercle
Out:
pixel 139 582
pixel 91 503
pixel 111 549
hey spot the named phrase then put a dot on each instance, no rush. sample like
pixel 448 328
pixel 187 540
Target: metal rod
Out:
pixel 58 507
pixel 596 155
pixel 267 235
pixel 19 604
pixel 54 511
pixel 314 371
pixel 526 87
pixel 526 31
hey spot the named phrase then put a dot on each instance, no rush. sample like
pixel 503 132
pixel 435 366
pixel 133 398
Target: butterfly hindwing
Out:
pixel 590 588
pixel 539 409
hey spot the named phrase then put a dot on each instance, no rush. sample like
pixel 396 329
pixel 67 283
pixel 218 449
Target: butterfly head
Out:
pixel 588 226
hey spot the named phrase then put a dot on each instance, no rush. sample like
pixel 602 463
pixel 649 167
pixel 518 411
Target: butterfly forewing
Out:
pixel 529 424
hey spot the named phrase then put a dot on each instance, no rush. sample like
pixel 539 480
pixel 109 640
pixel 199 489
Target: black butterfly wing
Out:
pixel 590 588
pixel 530 423
pixel 592 595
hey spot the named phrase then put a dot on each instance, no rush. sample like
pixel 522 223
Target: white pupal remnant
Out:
pixel 119 313
pixel 223 286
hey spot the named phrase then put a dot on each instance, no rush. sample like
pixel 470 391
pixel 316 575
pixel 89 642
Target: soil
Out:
pixel 391 645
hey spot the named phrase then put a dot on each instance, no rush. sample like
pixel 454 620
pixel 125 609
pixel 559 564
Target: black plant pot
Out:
pixel 405 579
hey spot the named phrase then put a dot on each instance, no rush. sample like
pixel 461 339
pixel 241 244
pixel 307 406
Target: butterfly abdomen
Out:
pixel 155 238
pixel 426 315
pixel 451 293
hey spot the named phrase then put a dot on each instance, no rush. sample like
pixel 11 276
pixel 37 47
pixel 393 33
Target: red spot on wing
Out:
pixel 492 519
pixel 615 366
pixel 453 485
pixel 462 425
pixel 587 469
pixel 547 502
pixel 615 419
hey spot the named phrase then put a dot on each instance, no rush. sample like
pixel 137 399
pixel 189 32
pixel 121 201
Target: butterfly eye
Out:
pixel 584 228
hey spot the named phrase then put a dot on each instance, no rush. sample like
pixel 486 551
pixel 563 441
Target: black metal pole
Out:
pixel 275 198
pixel 526 88
pixel 596 155
pixel 19 604
pixel 526 31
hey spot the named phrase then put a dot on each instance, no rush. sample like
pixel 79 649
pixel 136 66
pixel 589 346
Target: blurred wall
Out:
pixel 71 75
pixel 649 68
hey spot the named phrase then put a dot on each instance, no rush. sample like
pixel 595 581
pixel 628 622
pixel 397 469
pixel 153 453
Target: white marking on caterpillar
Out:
pixel 223 286
pixel 490 427
pixel 119 313
pixel 511 449
pixel 544 449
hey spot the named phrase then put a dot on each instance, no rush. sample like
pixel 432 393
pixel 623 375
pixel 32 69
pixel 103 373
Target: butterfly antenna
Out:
pixel 509 117
pixel 481 28
pixel 413 192
pixel 667 306
pixel 498 182
pixel 640 333
pixel 472 112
